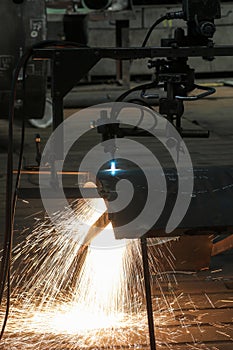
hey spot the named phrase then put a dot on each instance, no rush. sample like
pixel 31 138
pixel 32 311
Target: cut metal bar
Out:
pixel 146 273
pixel 222 246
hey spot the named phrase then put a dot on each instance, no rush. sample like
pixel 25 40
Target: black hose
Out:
pixel 159 20
pixel 169 15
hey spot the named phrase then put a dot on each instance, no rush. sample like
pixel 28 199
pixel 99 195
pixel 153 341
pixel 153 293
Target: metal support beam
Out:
pixel 146 272
pixel 122 40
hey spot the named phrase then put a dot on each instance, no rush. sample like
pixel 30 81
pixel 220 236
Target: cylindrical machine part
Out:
pixel 96 4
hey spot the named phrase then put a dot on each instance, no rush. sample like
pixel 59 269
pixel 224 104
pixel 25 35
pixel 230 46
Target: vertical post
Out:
pixel 57 103
pixel 57 146
pixel 146 273
pixel 122 40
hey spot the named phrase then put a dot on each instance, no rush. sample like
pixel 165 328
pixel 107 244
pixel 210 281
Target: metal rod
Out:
pixel 137 52
pixel 58 141
pixel 146 272
pixel 47 172
pixel 57 104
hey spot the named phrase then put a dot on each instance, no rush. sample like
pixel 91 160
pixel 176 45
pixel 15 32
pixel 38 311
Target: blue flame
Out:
pixel 113 167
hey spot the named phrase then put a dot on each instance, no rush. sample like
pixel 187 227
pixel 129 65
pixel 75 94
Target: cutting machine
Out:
pixel 210 208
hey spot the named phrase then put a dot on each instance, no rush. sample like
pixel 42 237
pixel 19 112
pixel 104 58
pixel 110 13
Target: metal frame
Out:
pixel 69 65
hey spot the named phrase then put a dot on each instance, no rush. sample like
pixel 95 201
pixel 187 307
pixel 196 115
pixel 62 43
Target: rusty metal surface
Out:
pixel 223 245
pixel 190 253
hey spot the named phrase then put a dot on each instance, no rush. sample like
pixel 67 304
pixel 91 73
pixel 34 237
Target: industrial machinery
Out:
pixel 23 23
pixel 173 73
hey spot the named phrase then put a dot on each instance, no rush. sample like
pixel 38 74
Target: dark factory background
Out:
pixel 157 290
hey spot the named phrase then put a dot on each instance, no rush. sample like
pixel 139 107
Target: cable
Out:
pixel 11 198
pixel 116 108
pixel 150 110
pixel 143 87
pixel 157 22
pixel 169 15
pixel 7 253
pixel 140 102
pixel 14 200
pixel 136 88
pixel 7 305
pixel 5 263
